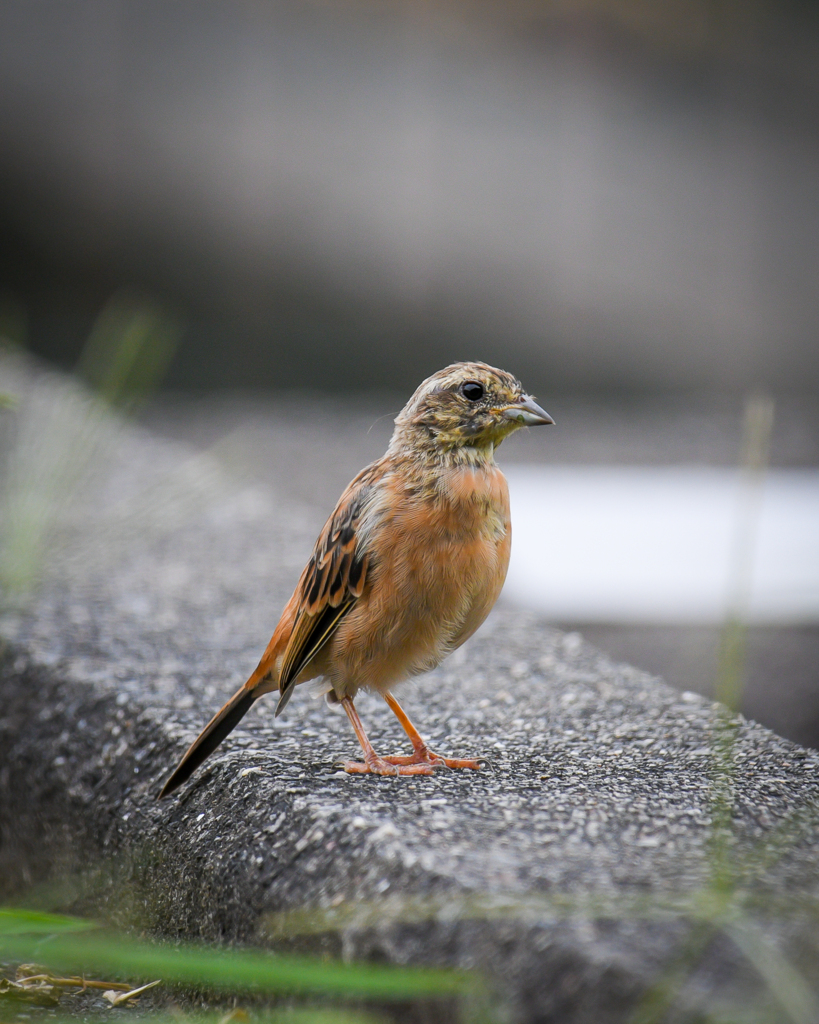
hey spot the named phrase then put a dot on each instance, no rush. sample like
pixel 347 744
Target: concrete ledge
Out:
pixel 555 871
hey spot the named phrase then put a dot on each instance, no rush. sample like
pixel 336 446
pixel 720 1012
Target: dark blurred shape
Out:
pixel 780 688
pixel 613 194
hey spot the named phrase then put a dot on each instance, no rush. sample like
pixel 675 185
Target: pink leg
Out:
pixel 421 752
pixel 373 764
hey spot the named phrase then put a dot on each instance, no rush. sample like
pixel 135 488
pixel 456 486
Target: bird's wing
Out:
pixel 331 583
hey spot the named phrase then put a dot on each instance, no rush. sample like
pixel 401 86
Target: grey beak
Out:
pixel 528 413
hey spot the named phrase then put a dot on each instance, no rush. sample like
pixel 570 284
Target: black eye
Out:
pixel 472 390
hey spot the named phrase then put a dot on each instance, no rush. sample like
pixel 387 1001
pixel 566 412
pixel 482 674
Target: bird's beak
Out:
pixel 527 412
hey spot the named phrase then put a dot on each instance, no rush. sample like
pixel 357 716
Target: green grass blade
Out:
pixel 796 998
pixel 14 921
pixel 227 969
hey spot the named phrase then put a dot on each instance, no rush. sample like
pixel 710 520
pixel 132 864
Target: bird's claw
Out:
pixel 384 766
pixel 421 762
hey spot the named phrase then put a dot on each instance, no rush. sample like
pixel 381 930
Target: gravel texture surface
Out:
pixel 561 870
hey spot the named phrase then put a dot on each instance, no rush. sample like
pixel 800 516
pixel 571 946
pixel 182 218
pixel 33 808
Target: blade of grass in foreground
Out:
pixel 15 921
pixel 26 936
pixel 288 1015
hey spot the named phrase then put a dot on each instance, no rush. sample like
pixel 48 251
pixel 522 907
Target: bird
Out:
pixel 405 570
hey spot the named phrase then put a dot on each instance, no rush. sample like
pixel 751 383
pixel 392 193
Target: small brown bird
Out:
pixel 406 568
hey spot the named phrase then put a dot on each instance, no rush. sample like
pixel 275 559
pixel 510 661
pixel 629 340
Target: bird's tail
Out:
pixel 223 722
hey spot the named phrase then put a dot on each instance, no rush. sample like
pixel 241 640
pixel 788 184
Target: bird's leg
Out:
pixel 421 753
pixel 372 762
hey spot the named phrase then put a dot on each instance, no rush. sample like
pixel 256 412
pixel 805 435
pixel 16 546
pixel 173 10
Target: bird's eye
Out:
pixel 472 390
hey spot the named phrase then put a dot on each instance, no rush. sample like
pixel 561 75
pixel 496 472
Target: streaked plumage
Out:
pixel 407 567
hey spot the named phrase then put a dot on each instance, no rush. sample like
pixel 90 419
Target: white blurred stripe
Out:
pixel 625 544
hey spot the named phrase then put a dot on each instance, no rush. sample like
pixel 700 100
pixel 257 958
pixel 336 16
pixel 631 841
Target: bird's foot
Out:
pixel 386 766
pixel 426 756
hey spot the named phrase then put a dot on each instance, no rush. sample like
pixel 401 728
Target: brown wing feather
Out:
pixel 332 581
pixel 330 585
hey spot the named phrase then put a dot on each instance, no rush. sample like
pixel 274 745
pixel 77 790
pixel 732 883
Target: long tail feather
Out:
pixel 223 722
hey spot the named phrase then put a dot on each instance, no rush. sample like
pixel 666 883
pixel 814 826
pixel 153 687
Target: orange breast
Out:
pixel 440 560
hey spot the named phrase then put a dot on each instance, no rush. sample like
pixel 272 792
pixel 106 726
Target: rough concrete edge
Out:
pixel 589 981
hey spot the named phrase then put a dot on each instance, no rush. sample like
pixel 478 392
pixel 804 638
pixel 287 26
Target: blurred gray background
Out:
pixel 617 200
pixel 600 194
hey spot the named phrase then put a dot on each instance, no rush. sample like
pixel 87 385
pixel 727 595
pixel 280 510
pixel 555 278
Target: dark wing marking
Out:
pixel 332 581
pixel 322 629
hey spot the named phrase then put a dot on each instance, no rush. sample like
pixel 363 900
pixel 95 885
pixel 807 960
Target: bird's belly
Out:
pixel 425 600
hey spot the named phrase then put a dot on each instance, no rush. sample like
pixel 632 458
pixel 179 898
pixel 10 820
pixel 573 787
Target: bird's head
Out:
pixel 468 406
